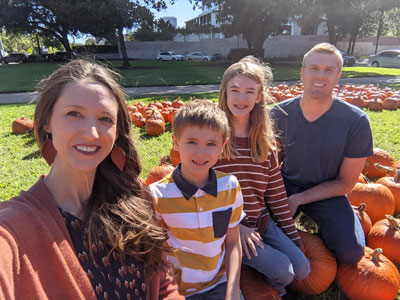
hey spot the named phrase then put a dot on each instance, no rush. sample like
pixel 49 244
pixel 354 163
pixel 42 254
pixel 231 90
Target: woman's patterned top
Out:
pixel 110 279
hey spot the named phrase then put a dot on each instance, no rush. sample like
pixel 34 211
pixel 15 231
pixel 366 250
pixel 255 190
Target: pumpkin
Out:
pixel 159 172
pixel 141 106
pixel 155 125
pixel 166 103
pixel 393 184
pixel 378 198
pixel 380 156
pixel 22 125
pixel 150 111
pixel 254 287
pixel 171 115
pixel 363 217
pixel 138 119
pixel 323 266
pixel 385 234
pixel 178 103
pixel 374 277
pixel 390 103
pixel 174 157
pixel 376 104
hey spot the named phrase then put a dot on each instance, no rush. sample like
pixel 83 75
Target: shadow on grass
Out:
pixel 33 155
pixel 362 74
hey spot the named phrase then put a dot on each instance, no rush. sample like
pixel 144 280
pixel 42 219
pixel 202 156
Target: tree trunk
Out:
pixel 64 41
pixel 380 28
pixel 349 47
pixel 38 45
pixel 331 32
pixel 353 44
pixel 125 63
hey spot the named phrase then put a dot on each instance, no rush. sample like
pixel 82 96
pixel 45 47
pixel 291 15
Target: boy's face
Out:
pixel 199 148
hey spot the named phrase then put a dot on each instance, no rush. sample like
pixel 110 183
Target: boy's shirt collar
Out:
pixel 188 189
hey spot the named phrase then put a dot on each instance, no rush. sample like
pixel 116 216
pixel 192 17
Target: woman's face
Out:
pixel 83 125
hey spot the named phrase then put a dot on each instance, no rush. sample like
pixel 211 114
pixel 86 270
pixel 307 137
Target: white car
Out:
pixel 387 58
pixel 168 55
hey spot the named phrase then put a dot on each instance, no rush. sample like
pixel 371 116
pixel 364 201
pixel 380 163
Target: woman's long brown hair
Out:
pixel 117 212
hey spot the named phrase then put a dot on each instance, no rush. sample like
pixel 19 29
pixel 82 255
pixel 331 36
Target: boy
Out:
pixel 202 208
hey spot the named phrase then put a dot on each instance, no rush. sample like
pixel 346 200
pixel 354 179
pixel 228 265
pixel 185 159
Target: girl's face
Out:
pixel 83 125
pixel 242 94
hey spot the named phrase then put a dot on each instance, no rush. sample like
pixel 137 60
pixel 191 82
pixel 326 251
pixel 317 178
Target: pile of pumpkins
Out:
pixel 154 116
pixel 370 96
pixel 376 276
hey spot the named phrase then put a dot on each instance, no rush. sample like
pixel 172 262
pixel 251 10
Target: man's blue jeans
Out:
pixel 339 226
pixel 280 261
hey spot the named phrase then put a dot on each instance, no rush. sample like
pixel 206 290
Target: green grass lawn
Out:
pixel 24 77
pixel 21 163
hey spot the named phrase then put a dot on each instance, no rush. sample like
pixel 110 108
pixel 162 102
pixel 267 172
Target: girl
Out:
pixel 84 231
pixel 250 156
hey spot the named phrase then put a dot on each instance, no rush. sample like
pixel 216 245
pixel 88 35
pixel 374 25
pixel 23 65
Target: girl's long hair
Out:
pixel 117 212
pixel 261 136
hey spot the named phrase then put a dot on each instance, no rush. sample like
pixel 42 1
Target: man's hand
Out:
pixel 248 237
pixel 293 202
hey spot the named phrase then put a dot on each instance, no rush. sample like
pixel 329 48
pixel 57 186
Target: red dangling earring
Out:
pixel 118 157
pixel 48 151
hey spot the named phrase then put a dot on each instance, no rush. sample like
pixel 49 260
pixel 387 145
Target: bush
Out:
pixel 235 54
pixel 96 49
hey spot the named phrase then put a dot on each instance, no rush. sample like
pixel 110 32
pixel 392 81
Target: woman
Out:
pixel 84 231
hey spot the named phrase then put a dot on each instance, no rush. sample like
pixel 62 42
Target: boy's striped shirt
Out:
pixel 261 185
pixel 194 219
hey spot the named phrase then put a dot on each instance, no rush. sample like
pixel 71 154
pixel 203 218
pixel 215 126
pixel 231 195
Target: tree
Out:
pixel 308 16
pixel 50 18
pixel 112 16
pixel 158 30
pixel 255 20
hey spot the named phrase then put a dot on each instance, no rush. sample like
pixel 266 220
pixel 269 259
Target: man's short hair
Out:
pixel 324 48
pixel 201 113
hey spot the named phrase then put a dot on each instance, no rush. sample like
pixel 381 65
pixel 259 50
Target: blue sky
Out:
pixel 182 10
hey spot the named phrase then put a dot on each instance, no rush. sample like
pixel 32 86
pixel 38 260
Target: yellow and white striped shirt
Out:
pixel 197 221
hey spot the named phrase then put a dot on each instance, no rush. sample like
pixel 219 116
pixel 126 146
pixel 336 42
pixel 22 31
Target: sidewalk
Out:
pixel 187 89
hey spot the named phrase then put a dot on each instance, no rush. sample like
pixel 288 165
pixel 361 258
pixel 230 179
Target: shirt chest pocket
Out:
pixel 221 222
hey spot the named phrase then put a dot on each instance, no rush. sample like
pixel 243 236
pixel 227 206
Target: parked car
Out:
pixel 168 55
pixel 348 60
pixel 387 58
pixel 14 57
pixel 218 56
pixel 60 56
pixel 198 56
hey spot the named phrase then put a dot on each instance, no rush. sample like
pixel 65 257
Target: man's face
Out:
pixel 320 74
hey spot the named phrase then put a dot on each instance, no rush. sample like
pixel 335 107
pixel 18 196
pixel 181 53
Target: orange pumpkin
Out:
pixel 254 287
pixel 138 119
pixel 159 172
pixel 380 156
pixel 323 266
pixel 155 125
pixel 374 277
pixel 385 234
pixel 378 198
pixel 393 184
pixel 22 125
pixel 361 178
pixel 390 103
pixel 376 104
pixel 174 157
pixel 363 217
pixel 178 103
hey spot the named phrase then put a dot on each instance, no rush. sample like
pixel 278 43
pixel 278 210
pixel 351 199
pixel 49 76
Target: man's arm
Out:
pixel 233 258
pixel 343 184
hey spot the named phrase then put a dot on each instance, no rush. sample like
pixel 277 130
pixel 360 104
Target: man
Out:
pixel 325 142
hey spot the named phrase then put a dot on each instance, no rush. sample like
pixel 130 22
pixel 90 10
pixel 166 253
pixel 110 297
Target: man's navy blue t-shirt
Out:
pixel 314 151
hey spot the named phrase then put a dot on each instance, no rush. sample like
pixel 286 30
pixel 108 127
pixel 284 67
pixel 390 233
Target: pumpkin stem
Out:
pixel 396 178
pixel 163 160
pixel 393 222
pixel 383 168
pixel 375 256
pixel 362 207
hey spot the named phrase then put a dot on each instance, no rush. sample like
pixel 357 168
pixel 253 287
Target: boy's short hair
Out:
pixel 324 48
pixel 201 113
